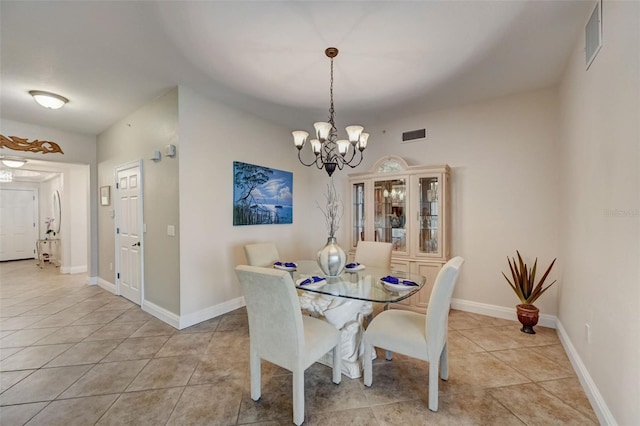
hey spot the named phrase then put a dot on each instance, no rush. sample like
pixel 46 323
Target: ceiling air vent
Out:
pixel 414 135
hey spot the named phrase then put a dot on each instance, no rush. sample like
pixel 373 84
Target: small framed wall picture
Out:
pixel 105 195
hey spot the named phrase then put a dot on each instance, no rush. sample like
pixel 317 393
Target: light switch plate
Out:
pixel 171 230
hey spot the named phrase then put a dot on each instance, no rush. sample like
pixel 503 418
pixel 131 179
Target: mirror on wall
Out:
pixel 57 213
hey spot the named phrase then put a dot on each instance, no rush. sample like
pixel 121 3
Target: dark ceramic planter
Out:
pixel 528 317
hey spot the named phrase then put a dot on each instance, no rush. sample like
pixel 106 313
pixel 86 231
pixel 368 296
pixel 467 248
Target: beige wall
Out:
pixel 135 137
pixel 212 137
pixel 600 211
pixel 504 180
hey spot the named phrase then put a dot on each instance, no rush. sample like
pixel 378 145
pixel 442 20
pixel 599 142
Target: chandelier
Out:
pixel 331 152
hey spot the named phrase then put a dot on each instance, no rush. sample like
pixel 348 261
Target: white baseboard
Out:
pixel 161 313
pixel 595 398
pixel 78 269
pixel 545 320
pixel 73 269
pixel 110 287
pixel 93 281
pixel 210 312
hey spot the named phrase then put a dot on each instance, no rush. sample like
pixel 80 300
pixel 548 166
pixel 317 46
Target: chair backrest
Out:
pixel 439 302
pixel 374 253
pixel 261 254
pixel 275 319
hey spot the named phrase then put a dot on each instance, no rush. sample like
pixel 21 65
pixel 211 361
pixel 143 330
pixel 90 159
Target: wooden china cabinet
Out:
pixel 409 207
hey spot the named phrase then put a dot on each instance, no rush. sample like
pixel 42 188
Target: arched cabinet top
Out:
pixel 389 164
pixel 393 164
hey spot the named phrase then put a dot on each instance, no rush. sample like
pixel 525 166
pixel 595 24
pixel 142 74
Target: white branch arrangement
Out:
pixel 334 210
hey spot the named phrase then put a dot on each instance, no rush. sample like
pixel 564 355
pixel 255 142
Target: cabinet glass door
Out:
pixel 357 227
pixel 390 210
pixel 429 211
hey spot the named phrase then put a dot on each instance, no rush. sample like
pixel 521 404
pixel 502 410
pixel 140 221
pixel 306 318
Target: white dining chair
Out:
pixel 374 253
pixel 416 335
pixel 279 333
pixel 261 254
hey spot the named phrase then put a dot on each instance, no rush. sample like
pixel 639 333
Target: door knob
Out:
pixel 136 244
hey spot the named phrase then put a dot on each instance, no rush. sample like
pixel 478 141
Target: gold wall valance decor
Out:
pixel 20 144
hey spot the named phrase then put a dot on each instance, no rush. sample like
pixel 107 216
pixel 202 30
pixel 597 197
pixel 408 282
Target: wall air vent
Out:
pixel 593 34
pixel 414 135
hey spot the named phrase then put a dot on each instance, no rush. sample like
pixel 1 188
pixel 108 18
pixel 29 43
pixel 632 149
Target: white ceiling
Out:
pixel 109 58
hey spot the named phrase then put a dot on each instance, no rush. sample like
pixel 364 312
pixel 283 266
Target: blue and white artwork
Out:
pixel 261 195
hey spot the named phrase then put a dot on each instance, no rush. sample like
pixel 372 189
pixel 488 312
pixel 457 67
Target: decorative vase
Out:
pixel 331 258
pixel 528 317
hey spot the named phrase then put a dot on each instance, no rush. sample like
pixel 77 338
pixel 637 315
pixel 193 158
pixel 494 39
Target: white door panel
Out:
pixel 128 227
pixel 17 224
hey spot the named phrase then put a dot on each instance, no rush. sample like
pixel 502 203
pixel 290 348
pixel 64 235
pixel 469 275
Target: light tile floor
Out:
pixel 72 354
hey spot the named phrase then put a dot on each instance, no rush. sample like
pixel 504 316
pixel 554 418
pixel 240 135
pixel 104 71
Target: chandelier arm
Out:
pixel 310 164
pixel 358 163
pixel 328 151
pixel 353 155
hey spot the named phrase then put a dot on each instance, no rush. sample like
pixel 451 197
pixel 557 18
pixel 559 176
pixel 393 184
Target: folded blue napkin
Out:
pixel 352 265
pixel 311 280
pixel 395 280
pixel 286 264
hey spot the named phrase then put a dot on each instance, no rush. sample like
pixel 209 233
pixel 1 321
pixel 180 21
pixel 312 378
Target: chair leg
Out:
pixel 368 364
pixel 388 355
pixel 433 385
pixel 444 363
pixel 254 367
pixel 298 396
pixel 337 362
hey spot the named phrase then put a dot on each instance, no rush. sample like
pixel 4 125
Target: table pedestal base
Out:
pixel 347 316
pixel 351 369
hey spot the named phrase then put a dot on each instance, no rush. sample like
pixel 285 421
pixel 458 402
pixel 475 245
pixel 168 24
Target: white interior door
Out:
pixel 18 233
pixel 129 264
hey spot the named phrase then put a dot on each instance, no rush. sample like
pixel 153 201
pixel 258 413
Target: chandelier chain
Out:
pixel 331 109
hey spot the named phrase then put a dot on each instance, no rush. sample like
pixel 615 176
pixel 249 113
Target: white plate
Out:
pixel 286 268
pixel 360 267
pixel 314 285
pixel 397 287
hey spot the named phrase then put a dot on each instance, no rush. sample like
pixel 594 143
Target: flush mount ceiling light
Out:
pixel 48 99
pixel 13 162
pixel 330 152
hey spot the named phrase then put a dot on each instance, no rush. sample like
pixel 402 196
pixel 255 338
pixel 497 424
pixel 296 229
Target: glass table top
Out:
pixel 365 284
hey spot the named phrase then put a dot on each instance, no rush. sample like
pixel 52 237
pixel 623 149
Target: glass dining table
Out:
pixel 366 284
pixel 346 301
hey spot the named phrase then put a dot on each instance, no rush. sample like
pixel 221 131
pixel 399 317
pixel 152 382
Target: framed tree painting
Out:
pixel 261 195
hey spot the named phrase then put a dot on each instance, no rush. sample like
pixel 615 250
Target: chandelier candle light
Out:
pixel 330 152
